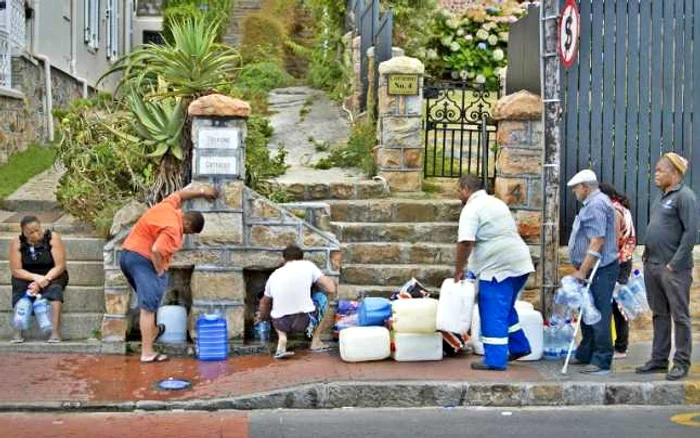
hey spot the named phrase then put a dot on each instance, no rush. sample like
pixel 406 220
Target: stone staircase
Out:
pixel 241 8
pixel 387 241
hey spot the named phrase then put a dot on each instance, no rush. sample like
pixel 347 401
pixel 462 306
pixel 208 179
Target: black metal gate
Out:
pixel 460 135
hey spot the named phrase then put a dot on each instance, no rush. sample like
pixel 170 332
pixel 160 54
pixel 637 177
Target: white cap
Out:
pixel 583 176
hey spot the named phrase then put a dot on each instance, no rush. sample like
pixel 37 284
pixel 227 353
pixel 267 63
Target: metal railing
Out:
pixel 12 22
pixel 5 60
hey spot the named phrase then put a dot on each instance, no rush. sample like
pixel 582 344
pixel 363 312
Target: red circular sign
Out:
pixel 569 32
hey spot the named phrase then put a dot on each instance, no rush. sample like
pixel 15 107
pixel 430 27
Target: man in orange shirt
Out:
pixel 146 255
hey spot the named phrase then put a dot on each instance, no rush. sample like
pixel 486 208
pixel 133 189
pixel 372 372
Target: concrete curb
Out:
pixel 334 395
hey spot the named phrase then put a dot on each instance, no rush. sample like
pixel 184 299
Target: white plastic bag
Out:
pixel 454 313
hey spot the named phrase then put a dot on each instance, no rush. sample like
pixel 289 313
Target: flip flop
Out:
pixel 322 349
pixel 54 341
pixel 161 330
pixel 157 358
pixel 17 341
pixel 283 354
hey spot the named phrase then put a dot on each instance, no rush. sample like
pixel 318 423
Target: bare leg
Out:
pixel 147 322
pixel 322 328
pixel 281 341
pixel 18 336
pixel 56 319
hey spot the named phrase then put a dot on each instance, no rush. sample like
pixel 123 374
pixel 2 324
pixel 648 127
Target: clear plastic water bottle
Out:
pixel 42 311
pixel 624 299
pixel 591 315
pixel 638 292
pixel 262 331
pixel 567 334
pixel 550 350
pixel 23 313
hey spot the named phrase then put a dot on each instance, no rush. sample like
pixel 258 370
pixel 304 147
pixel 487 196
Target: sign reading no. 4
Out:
pixel 406 85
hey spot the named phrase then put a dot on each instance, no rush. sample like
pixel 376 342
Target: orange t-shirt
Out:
pixel 160 226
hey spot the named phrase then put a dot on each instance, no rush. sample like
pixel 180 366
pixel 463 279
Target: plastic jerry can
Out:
pixel 409 347
pixel 418 315
pixel 530 320
pixel 455 306
pixel 175 320
pixel 373 311
pixel 212 337
pixel 360 344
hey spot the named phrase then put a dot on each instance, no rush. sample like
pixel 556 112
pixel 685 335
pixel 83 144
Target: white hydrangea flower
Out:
pixel 503 36
pixel 460 32
pixel 493 40
pixel 482 34
pixel 469 37
pixel 480 79
pixel 455 46
pixel 452 23
pixel 498 55
pixel 446 41
pixel 431 54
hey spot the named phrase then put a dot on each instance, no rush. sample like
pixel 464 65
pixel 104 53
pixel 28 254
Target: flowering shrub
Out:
pixel 471 45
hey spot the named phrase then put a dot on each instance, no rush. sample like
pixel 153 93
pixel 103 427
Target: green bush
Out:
pixel 263 77
pixel 358 152
pixel 261 164
pixel 213 11
pixel 263 37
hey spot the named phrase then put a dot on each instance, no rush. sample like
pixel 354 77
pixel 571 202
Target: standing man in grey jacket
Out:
pixel 668 267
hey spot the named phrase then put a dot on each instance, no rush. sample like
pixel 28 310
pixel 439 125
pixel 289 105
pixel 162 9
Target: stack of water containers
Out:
pixel 212 337
pixel 21 319
pixel 415 336
pixel 370 340
pixel 632 297
pixel 557 338
pixel 531 322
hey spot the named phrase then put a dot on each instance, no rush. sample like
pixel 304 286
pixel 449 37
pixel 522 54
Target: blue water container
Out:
pixel 212 337
pixel 373 311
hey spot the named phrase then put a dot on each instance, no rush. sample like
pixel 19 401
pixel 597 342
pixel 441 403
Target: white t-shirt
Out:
pixel 499 251
pixel 290 288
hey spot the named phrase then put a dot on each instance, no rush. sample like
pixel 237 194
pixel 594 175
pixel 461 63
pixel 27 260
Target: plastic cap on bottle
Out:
pixel 636 272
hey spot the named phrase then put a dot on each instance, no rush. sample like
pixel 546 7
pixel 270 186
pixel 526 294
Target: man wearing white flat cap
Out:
pixel 593 238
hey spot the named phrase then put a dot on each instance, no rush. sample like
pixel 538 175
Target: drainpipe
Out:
pixel 48 98
pixel 74 48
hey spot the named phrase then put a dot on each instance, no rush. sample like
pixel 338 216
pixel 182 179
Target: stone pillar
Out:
pixel 399 154
pixel 519 169
pixel 218 135
pixel 354 99
pixel 371 61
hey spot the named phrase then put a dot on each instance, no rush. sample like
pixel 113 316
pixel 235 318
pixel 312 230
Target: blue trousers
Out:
pixel 500 328
pixel 596 345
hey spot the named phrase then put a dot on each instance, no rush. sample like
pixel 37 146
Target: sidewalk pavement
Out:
pixel 322 380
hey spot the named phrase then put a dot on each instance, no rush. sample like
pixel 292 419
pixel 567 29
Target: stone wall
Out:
pixel 23 119
pixel 400 151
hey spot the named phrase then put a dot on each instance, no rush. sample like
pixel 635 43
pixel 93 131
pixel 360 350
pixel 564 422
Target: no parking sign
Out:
pixel 569 31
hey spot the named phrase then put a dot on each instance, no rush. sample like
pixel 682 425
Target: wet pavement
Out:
pixel 86 379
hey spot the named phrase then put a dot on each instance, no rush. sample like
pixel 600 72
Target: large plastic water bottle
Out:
pixel 591 315
pixel 42 311
pixel 212 337
pixel 262 331
pixel 23 313
pixel 550 349
pixel 638 291
pixel 566 335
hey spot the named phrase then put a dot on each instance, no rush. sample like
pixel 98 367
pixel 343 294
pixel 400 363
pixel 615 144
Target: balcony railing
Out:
pixel 12 22
pixel 5 60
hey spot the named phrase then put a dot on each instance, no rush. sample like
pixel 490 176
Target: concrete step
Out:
pixel 395 210
pixel 399 252
pixel 305 191
pixel 78 248
pixel 82 273
pixel 64 224
pixel 88 346
pixel 76 299
pixel 430 276
pixel 434 232
pixel 29 205
pixel 73 326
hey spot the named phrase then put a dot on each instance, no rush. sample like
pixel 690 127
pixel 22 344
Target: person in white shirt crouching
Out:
pixel 288 301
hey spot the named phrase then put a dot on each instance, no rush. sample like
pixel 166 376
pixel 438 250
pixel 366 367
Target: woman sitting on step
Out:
pixel 38 264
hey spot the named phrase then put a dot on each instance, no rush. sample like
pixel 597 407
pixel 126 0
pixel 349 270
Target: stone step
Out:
pixel 395 210
pixel 399 252
pixel 304 191
pixel 30 205
pixel 78 248
pixel 88 346
pixel 82 273
pixel 73 326
pixel 76 299
pixel 433 232
pixel 65 224
pixel 430 276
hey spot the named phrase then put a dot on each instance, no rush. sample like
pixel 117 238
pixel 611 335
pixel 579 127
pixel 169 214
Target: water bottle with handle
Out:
pixel 549 351
pixel 567 334
pixel 639 292
pixel 42 310
pixel 23 313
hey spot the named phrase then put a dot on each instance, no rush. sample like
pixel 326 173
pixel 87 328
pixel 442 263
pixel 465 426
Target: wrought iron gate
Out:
pixel 460 135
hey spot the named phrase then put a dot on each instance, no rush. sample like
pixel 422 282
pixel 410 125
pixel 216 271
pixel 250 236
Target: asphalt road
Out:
pixel 618 422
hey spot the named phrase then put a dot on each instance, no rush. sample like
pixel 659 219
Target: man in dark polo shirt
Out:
pixel 668 266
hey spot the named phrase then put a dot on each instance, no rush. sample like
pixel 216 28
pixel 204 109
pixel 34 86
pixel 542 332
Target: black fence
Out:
pixel 460 135
pixel 363 17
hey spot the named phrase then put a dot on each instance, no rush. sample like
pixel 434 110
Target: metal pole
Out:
pixel 552 108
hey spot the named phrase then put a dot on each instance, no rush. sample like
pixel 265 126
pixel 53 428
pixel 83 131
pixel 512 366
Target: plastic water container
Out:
pixel 415 315
pixel 531 321
pixel 373 311
pixel 361 344
pixel 42 311
pixel 410 347
pixel 566 334
pixel 212 337
pixel 175 320
pixel 532 324
pixel 455 306
pixel 261 331
pixel 23 313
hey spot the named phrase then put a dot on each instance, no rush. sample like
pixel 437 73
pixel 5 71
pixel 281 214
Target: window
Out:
pixel 92 24
pixel 12 21
pixel 114 28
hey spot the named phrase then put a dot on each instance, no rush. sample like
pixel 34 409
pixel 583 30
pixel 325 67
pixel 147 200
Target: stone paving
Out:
pixel 64 381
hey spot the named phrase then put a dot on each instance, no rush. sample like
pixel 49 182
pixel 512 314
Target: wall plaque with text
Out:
pixel 208 165
pixel 218 138
pixel 404 85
